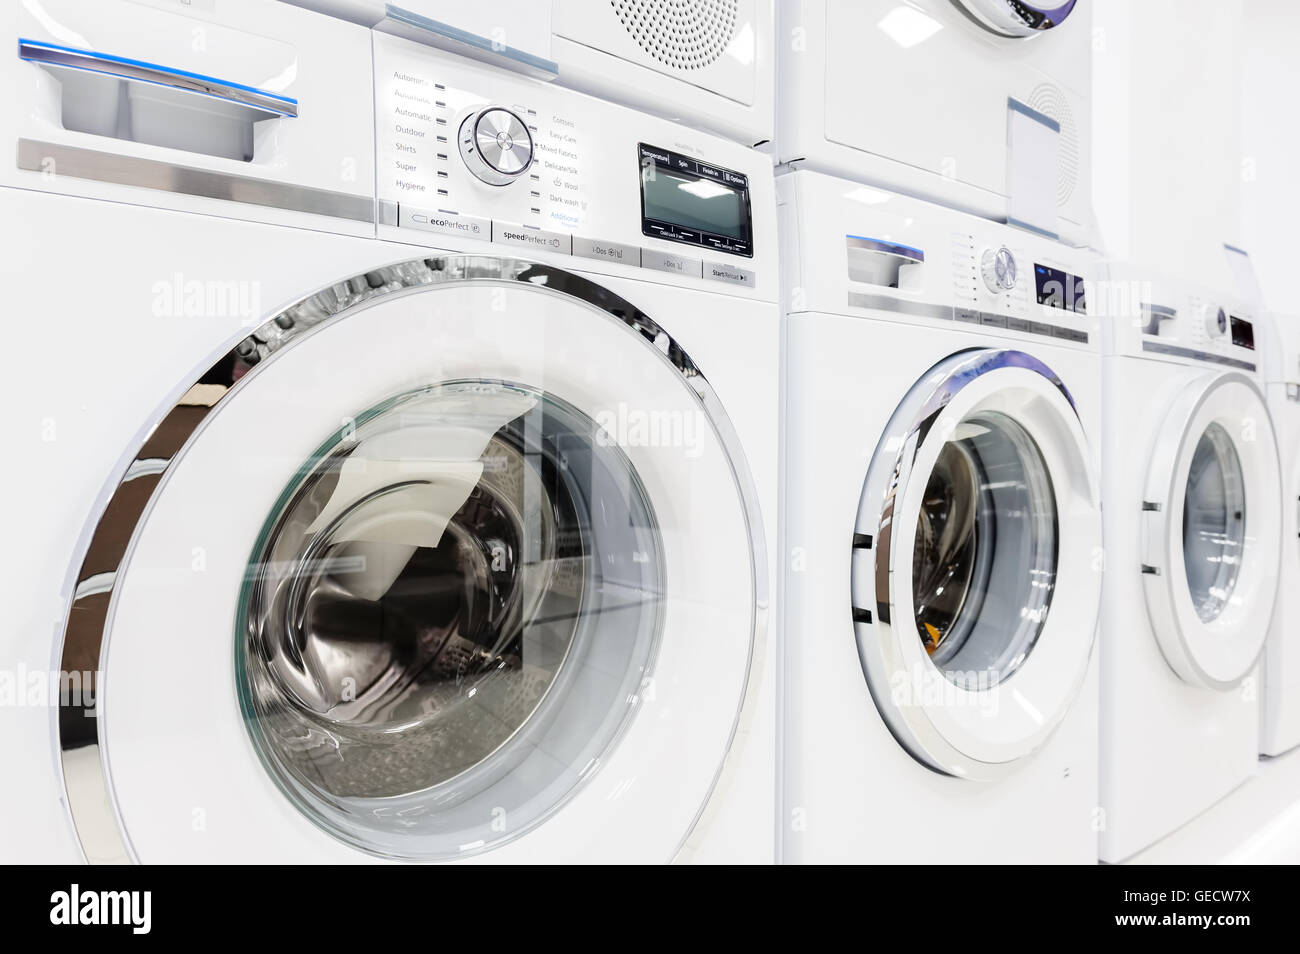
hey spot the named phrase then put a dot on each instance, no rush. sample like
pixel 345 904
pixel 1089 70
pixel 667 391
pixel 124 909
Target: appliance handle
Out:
pixel 266 105
pixel 415 26
pixel 884 247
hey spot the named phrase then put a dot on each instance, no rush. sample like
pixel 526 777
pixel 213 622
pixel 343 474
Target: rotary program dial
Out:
pixel 999 270
pixel 496 145
pixel 1216 321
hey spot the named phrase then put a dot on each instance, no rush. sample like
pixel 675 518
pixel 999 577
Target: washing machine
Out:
pixel 1192 495
pixel 363 503
pixel 936 98
pixel 940 535
pixel 1280 714
pixel 709 64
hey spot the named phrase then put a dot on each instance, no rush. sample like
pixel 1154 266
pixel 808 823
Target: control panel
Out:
pixel 1200 321
pixel 902 258
pixel 1155 317
pixel 466 152
pixel 1011 281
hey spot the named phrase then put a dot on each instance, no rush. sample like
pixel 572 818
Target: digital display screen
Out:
pixel 1243 333
pixel 693 203
pixel 1058 289
pixel 686 200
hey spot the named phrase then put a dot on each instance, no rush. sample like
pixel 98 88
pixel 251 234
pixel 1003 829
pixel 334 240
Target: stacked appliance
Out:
pixel 941 513
pixel 394 392
pixel 942 526
pixel 705 63
pixel 981 105
pixel 1193 533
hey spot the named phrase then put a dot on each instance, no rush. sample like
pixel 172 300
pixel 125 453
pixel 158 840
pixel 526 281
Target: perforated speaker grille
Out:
pixel 682 34
pixel 1050 101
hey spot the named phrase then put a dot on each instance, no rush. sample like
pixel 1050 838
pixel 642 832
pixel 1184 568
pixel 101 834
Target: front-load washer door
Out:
pixel 976 569
pixel 1211 526
pixel 456 558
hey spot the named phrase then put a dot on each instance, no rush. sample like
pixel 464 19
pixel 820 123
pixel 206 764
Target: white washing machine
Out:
pixel 941 535
pixel 384 546
pixel 925 97
pixel 1280 714
pixel 1192 496
pixel 705 63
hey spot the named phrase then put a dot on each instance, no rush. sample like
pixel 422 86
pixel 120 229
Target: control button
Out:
pixel 1070 334
pixel 667 262
pixel 672 233
pixel 988 318
pixel 722 244
pixel 446 223
pixel 505 234
pixel 608 251
pixel 998 267
pixel 719 272
pixel 966 314
pixel 1216 322
pixel 496 145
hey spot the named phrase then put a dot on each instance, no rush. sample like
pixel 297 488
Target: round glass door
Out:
pixel 446 599
pixel 974 575
pixel 984 560
pixel 425 599
pixel 1214 522
pixel 1211 529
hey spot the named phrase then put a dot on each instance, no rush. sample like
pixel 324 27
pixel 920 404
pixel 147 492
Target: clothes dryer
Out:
pixel 935 98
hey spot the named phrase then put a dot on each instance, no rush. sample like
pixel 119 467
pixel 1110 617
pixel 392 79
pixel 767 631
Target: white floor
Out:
pixel 1259 823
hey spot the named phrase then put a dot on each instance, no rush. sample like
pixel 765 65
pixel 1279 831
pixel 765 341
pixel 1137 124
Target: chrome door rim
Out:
pixel 87 788
pixel 1164 494
pixel 890 474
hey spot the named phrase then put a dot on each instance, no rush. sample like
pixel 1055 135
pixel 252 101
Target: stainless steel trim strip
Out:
pixel 37 156
pixel 900 306
pixel 407 23
pixel 114 529
pixel 1158 347
pixel 922 309
pixel 266 105
pixel 1030 227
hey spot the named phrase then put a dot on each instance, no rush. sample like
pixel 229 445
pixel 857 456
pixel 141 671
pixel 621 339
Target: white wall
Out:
pixel 1167 88
pixel 1271 148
